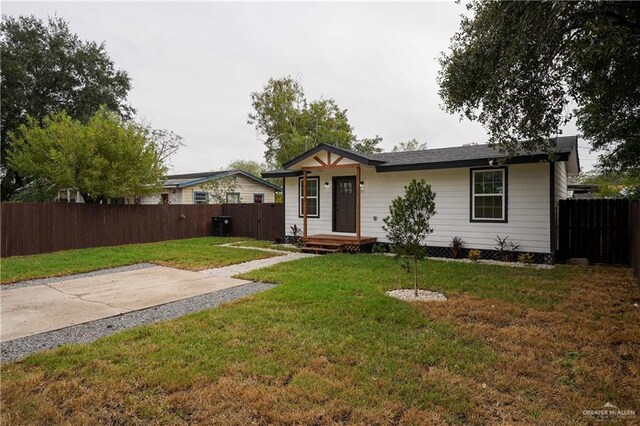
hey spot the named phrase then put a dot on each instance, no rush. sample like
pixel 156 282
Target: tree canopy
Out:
pixel 249 166
pixel 517 67
pixel 290 124
pixel 107 157
pixel 613 185
pixel 407 225
pixel 46 68
pixel 368 145
pixel 410 145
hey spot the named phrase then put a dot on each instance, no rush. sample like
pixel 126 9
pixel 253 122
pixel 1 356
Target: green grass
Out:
pixel 267 244
pixel 530 287
pixel 326 340
pixel 192 253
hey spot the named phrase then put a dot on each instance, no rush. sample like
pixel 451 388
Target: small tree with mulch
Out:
pixel 407 226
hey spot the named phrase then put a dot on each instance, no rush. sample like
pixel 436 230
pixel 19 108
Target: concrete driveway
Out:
pixel 36 309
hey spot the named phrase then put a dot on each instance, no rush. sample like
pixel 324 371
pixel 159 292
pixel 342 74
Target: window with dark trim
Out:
pixel 258 198
pixel 313 197
pixel 200 197
pixel 489 195
pixel 233 197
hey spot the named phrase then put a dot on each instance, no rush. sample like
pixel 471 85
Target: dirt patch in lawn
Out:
pixel 557 363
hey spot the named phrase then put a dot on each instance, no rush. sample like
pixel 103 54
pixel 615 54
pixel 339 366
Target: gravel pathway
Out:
pixel 497 263
pixel 14 350
pixel 43 281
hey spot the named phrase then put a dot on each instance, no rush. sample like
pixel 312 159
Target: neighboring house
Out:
pixel 477 196
pixel 73 196
pixel 582 191
pixel 191 189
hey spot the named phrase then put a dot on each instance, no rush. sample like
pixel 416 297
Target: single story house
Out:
pixel 242 187
pixel 479 195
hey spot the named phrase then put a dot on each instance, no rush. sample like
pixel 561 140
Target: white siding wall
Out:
pixel 247 187
pixel 174 198
pixel 561 181
pixel 528 205
pixel 560 191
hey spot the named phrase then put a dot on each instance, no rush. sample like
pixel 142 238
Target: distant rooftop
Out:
pixel 189 179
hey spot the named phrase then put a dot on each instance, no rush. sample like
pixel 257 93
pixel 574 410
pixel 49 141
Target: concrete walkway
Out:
pixel 241 268
pixel 47 306
pixel 37 309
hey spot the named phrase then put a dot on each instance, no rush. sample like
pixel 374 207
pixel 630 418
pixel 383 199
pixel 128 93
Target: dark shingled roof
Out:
pixel 198 175
pixel 438 158
pixel 459 155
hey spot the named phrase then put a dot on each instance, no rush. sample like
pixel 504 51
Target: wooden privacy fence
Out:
pixel 260 221
pixel 594 229
pixel 46 227
pixel 634 238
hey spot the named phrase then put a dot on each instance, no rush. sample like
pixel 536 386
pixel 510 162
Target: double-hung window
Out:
pixel 200 197
pixel 313 196
pixel 233 197
pixel 488 195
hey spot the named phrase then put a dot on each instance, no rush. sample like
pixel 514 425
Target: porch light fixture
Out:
pixel 361 184
pixel 326 185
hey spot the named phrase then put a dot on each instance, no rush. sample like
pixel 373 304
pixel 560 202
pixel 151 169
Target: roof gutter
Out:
pixel 281 174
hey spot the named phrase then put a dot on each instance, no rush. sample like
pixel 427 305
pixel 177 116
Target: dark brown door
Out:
pixel 344 204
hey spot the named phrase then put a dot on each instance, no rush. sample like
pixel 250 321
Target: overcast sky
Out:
pixel 194 65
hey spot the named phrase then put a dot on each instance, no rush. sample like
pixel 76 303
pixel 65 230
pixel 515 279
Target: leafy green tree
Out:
pixel 46 68
pixel 107 157
pixel 249 166
pixel 368 145
pixel 613 185
pixel 218 188
pixel 256 169
pixel 517 66
pixel 166 143
pixel 324 122
pixel 410 145
pixel 407 226
pixel 290 125
pixel 36 191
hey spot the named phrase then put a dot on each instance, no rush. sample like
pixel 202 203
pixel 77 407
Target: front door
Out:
pixel 344 204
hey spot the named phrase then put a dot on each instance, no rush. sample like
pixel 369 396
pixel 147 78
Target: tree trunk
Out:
pixel 415 277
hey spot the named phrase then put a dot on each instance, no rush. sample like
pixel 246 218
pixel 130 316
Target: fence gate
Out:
pixel 595 229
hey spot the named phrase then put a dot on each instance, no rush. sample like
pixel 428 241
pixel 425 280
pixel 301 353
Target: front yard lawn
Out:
pixel 192 253
pixel 328 346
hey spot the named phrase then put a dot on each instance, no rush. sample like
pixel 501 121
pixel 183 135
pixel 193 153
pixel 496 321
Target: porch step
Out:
pixel 318 250
pixel 321 244
pixel 325 243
